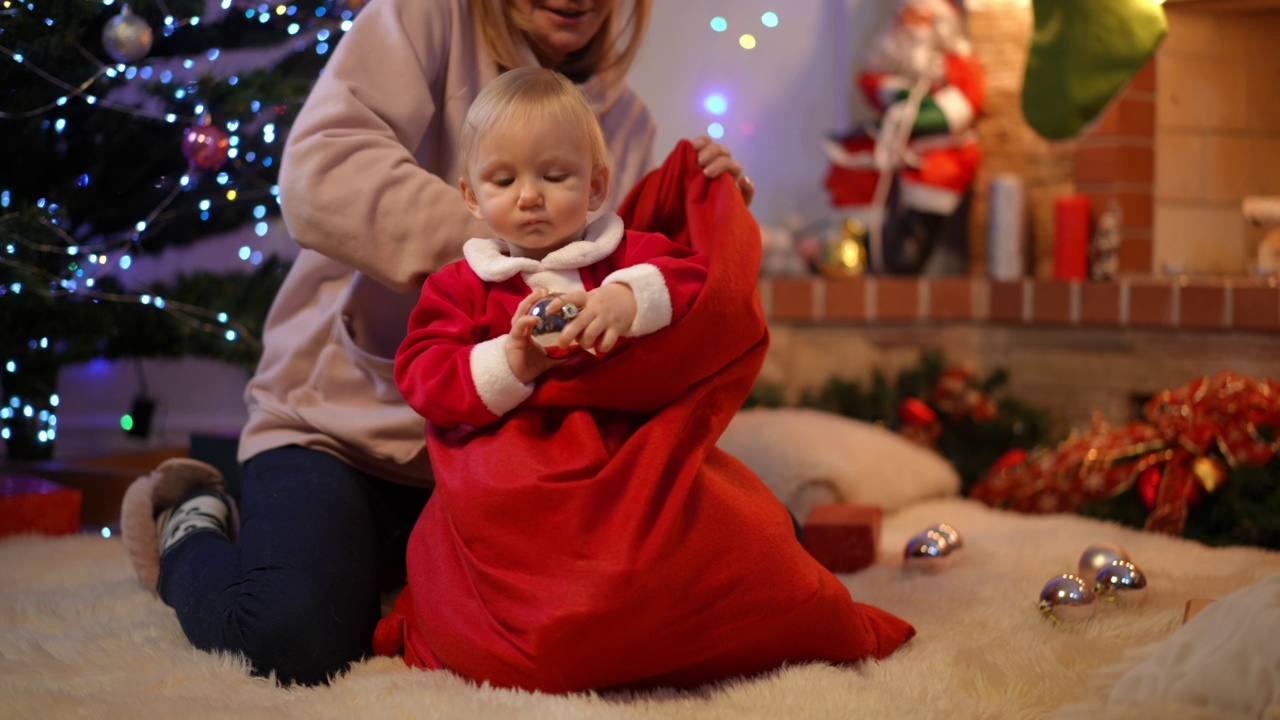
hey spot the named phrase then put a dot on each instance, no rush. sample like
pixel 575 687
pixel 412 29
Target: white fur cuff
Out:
pixel 500 390
pixel 653 300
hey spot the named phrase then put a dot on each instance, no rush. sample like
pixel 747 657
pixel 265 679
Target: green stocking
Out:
pixel 1082 53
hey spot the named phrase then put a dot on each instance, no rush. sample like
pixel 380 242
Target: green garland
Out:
pixel 1244 511
pixel 969 444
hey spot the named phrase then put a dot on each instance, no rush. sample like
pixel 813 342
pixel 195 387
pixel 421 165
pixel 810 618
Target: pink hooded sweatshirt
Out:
pixel 368 188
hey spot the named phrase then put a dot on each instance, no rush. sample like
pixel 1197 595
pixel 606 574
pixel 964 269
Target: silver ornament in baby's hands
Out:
pixel 547 331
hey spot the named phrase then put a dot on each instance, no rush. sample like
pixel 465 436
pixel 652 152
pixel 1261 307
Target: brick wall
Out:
pixel 1072 348
pixel 1113 160
pixel 1075 348
pixel 1217 133
pixel 1194 132
pixel 1177 304
pixel 1001 32
pixel 1115 163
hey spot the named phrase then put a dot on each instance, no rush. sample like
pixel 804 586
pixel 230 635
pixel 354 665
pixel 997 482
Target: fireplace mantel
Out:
pixel 1176 304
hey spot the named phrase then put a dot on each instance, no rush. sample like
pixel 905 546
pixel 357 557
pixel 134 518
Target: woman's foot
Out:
pixel 179 497
pixel 203 510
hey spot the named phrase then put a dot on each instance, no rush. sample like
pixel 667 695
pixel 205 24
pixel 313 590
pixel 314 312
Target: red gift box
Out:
pixel 843 538
pixel 30 504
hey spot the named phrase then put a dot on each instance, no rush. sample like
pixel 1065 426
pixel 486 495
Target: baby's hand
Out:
pixel 604 314
pixel 525 356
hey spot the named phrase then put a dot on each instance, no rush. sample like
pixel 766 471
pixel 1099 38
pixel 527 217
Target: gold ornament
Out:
pixel 1211 473
pixel 126 37
pixel 846 255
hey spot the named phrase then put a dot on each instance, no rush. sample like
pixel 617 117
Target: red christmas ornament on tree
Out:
pixel 919 422
pixel 1012 457
pixel 205 146
pixel 1148 485
pixel 914 411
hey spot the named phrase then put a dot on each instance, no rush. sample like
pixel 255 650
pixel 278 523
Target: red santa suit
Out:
pixel 587 533
pixel 939 161
pixel 451 367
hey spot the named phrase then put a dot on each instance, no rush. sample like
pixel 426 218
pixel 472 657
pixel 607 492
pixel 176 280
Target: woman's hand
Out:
pixel 715 160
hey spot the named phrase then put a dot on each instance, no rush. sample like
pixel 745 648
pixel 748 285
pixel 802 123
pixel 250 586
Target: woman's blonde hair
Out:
pixel 531 92
pixel 612 49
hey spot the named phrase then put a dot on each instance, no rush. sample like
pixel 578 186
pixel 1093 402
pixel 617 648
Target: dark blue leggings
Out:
pixel 300 594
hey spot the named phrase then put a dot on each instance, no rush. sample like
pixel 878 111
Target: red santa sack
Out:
pixel 597 538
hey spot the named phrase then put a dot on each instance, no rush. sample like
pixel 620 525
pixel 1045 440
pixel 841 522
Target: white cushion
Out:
pixel 1226 659
pixel 808 457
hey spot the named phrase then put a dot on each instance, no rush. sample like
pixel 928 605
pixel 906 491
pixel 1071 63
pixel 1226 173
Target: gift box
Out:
pixel 843 538
pixel 30 504
pixel 1193 608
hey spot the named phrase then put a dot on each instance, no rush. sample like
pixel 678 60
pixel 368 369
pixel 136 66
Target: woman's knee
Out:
pixel 308 637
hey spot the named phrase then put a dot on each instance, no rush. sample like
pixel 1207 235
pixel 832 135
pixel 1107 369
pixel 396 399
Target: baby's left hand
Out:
pixel 715 160
pixel 604 314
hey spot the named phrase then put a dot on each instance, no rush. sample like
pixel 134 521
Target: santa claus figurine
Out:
pixel 921 76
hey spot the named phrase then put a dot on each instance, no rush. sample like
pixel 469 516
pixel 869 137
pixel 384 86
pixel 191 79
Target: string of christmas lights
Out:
pixel 717 103
pixel 73 242
pixel 206 145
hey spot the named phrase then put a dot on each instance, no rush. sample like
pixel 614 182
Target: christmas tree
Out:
pixel 125 131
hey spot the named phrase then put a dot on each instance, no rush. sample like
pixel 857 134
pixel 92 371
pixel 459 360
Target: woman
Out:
pixel 335 468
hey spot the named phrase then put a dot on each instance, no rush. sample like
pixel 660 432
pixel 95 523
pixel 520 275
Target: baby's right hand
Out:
pixel 525 356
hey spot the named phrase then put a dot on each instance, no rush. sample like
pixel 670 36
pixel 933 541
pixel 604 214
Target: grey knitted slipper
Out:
pixel 163 488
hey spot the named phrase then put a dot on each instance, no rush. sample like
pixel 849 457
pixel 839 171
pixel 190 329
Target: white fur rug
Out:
pixel 80 638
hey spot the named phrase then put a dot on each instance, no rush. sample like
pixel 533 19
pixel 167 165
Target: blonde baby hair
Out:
pixel 531 92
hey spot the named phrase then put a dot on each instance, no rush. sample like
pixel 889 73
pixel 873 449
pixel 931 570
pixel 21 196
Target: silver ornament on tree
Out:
pixel 126 37
pixel 1066 599
pixel 1098 556
pixel 1121 583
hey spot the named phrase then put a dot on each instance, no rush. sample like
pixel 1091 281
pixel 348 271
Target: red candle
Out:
pixel 1071 237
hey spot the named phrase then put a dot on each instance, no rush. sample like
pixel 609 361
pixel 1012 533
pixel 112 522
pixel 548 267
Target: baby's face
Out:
pixel 533 182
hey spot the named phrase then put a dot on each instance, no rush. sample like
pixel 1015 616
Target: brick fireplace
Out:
pixel 1196 131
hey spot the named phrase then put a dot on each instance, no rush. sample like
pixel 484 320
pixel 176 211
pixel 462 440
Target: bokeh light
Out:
pixel 719 24
pixel 747 41
pixel 716 104
pixel 715 130
pixel 770 19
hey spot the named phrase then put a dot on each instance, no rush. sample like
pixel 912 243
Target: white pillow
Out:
pixel 809 457
pixel 1226 659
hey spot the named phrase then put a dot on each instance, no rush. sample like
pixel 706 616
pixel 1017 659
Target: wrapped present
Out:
pixel 844 538
pixel 30 504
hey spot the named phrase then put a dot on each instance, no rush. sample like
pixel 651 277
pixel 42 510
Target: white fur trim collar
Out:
pixel 486 255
